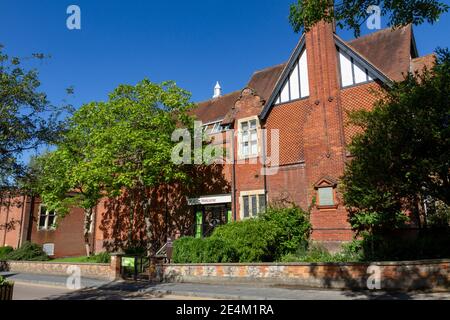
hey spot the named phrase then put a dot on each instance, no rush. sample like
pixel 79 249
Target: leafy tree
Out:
pixel 351 14
pixel 402 156
pixel 27 119
pixel 65 179
pixel 119 147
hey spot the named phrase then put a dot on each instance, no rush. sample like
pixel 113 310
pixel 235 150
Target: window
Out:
pixel 215 127
pixel 253 203
pixel 351 72
pixel 326 196
pixel 47 219
pixel 248 138
pixel 297 84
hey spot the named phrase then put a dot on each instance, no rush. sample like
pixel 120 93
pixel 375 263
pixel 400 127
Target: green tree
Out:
pixel 402 156
pixel 119 147
pixel 27 119
pixel 351 14
pixel 66 178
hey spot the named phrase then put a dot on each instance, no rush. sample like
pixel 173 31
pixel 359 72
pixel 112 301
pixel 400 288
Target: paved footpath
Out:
pixel 120 290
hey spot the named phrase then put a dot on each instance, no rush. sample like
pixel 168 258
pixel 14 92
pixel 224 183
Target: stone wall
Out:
pixel 415 275
pixel 88 270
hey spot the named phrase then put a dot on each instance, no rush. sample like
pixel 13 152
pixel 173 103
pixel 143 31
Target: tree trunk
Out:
pixel 132 210
pixel 146 206
pixel 87 227
pixel 416 210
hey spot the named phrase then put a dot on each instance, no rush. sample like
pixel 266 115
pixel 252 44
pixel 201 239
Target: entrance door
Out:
pixel 214 216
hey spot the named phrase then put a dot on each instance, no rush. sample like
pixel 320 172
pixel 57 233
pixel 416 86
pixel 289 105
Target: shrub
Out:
pixel 4 282
pixel 217 250
pixel 315 253
pixel 278 232
pixel 429 244
pixel 207 250
pixel 102 257
pixel 4 251
pixel 293 229
pixel 254 240
pixel 187 250
pixel 28 252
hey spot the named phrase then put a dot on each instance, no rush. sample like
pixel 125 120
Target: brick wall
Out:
pixel 88 270
pixel 67 237
pixel 432 274
pixel 12 211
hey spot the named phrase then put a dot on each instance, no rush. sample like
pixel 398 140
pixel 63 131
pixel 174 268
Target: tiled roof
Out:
pixel 427 61
pixel 216 109
pixel 264 81
pixel 388 50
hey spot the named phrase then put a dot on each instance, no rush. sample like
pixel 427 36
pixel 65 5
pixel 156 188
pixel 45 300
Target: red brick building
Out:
pixel 304 101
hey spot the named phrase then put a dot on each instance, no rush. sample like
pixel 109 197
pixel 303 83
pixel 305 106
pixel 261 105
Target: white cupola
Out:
pixel 217 90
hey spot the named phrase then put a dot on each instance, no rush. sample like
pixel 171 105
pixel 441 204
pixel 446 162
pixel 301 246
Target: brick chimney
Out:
pixel 324 132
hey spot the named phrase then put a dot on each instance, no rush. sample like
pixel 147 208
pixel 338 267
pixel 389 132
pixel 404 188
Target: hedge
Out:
pixel 278 232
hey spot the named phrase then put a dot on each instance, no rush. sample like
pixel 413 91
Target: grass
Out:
pixel 72 259
pixel 99 258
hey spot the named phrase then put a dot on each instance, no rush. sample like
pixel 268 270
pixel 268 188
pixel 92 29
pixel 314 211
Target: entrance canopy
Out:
pixel 210 200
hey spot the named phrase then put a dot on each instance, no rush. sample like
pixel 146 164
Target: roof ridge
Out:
pixel 222 96
pixel 377 33
pixel 424 56
pixel 268 68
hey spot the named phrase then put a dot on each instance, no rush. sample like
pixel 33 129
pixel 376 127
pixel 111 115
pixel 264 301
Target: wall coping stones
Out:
pixel 56 262
pixel 341 264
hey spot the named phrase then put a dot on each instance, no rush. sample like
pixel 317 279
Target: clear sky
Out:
pixel 193 42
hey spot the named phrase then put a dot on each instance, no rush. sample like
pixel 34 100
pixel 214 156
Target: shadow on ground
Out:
pixel 112 291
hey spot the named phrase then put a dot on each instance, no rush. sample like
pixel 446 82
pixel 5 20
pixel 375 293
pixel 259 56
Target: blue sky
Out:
pixel 194 43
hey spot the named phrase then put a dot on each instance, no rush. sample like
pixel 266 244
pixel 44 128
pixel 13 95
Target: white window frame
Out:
pixel 296 86
pixel 216 127
pixel 241 154
pixel 351 73
pixel 46 227
pixel 249 194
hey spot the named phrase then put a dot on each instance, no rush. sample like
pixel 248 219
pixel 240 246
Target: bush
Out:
pixel 28 252
pixel 207 250
pixel 5 283
pixel 278 232
pixel 103 257
pixel 293 229
pixel 254 240
pixel 5 251
pixel 187 250
pixel 315 253
pixel 429 244
pixel 217 250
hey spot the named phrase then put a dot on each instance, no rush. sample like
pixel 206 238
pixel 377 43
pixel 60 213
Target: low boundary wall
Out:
pixel 89 270
pixel 406 275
